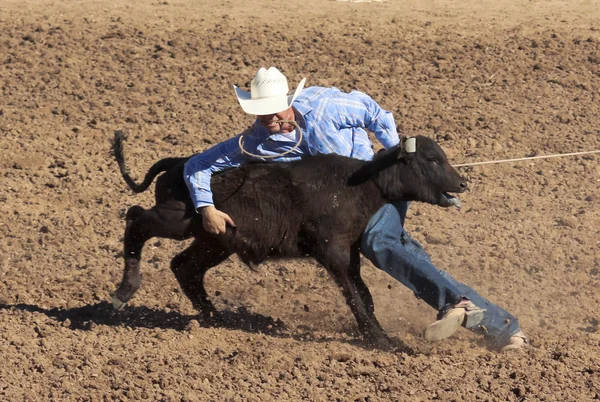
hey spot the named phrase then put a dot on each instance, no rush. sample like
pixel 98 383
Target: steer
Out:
pixel 316 207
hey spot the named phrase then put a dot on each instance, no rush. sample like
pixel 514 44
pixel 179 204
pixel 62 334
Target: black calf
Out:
pixel 316 207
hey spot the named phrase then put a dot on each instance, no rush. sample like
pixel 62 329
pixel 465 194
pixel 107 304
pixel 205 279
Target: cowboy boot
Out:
pixel 466 314
pixel 450 319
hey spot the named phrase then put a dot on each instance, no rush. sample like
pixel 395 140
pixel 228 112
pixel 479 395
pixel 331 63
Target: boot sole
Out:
pixel 443 328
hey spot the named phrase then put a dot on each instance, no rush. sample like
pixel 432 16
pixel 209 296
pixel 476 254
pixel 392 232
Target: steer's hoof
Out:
pixel 117 304
pixel 381 342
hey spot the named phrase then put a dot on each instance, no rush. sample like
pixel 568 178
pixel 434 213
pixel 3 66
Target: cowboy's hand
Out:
pixel 215 221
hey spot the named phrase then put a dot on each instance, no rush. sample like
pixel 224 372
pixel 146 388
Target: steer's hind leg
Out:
pixel 191 265
pixel 142 225
pixel 339 261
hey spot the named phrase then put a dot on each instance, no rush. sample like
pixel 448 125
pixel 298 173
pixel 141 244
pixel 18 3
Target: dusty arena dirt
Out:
pixel 487 79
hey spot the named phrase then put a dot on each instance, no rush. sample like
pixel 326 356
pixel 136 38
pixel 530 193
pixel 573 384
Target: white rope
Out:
pixel 280 122
pixel 527 158
pixel 296 126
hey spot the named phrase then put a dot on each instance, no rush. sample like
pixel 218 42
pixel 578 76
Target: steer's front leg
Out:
pixel 340 261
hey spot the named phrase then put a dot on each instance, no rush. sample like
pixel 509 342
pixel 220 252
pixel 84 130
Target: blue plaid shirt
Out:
pixel 332 121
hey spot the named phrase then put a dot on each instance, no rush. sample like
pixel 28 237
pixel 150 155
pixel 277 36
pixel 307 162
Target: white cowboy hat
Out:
pixel 268 93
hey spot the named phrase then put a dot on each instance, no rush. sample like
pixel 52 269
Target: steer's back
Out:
pixel 283 208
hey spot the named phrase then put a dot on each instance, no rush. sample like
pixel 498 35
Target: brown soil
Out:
pixel 488 79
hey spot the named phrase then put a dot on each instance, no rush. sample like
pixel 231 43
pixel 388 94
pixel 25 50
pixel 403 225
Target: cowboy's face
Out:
pixel 268 121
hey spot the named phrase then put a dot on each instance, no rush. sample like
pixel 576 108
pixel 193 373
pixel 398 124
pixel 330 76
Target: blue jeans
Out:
pixel 391 249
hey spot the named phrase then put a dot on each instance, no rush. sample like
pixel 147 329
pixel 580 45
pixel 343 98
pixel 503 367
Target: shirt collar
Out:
pixel 303 108
pixel 291 137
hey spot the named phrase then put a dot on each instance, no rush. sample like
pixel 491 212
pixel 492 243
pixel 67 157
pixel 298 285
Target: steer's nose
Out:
pixel 463 186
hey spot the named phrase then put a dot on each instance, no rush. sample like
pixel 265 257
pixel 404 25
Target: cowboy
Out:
pixel 326 120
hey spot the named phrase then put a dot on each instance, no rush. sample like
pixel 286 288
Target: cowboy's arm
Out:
pixel 360 110
pixel 199 169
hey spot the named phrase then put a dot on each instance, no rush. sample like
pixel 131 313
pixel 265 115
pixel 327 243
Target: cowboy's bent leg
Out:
pixel 392 250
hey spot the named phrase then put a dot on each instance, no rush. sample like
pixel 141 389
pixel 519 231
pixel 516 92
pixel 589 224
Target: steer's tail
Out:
pixel 160 166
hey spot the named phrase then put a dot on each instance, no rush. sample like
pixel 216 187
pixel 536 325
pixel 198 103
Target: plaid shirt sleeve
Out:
pixel 357 109
pixel 339 120
pixel 199 169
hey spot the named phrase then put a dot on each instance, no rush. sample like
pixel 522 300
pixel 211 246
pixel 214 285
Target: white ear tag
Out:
pixel 410 145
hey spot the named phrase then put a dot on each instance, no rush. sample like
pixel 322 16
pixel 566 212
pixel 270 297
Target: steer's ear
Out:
pixel 408 145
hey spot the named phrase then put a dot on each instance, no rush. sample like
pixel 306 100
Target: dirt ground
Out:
pixel 487 79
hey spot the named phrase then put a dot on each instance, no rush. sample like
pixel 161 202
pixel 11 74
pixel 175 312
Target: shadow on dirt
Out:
pixel 102 313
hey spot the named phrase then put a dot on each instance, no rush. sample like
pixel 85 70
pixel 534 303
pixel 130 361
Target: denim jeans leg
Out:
pixel 391 249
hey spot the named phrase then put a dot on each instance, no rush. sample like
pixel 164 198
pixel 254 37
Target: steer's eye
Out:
pixel 432 159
